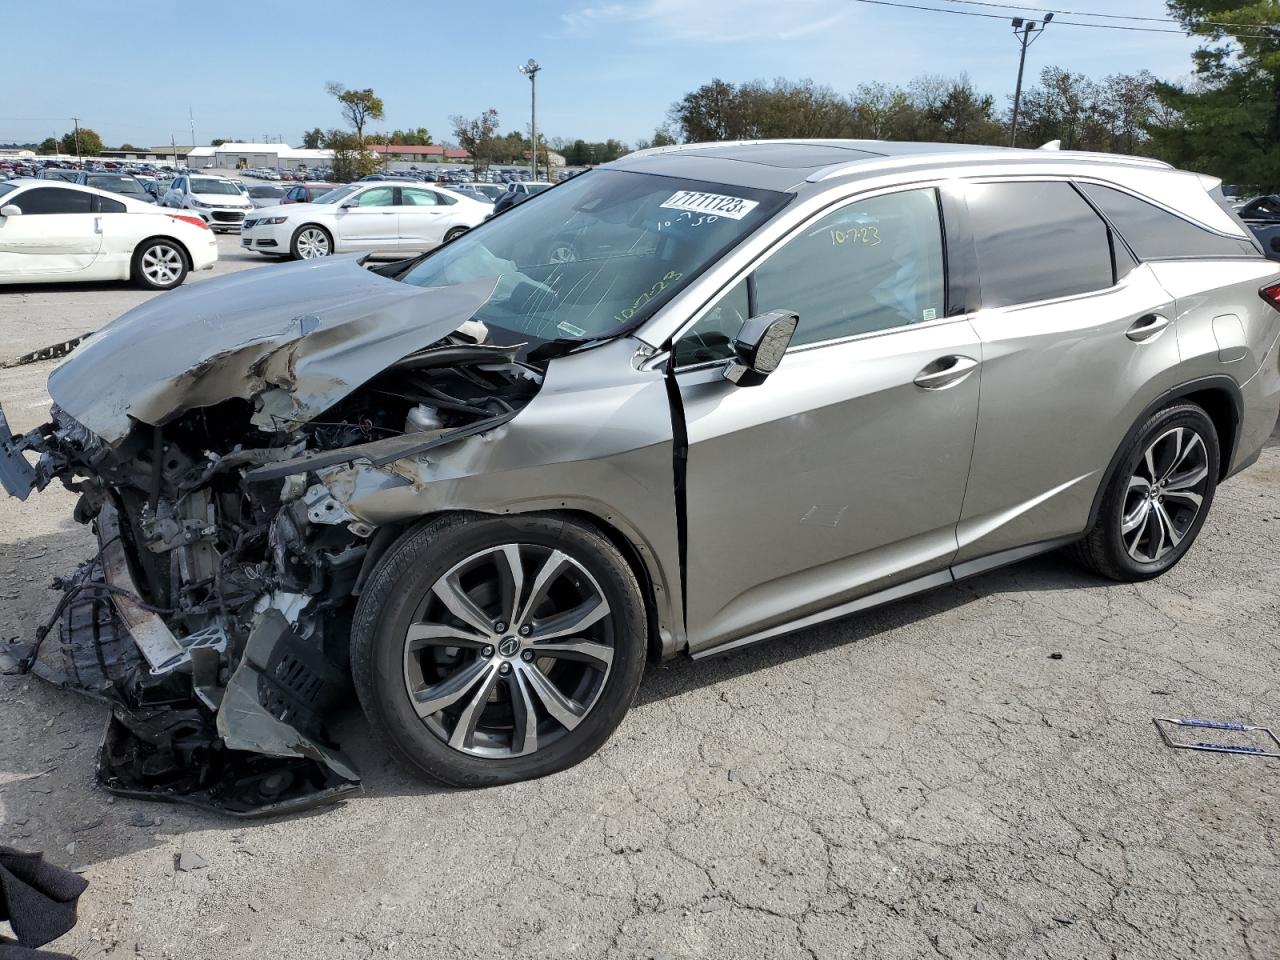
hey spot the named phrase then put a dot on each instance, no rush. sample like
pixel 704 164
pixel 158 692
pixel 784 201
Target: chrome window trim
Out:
pixel 788 233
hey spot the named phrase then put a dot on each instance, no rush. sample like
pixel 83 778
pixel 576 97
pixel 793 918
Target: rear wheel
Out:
pixel 311 241
pixel 454 234
pixel 1157 501
pixel 159 265
pixel 488 650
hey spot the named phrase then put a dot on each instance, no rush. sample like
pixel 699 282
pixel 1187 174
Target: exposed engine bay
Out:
pixel 214 616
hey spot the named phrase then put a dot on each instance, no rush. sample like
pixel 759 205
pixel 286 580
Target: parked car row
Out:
pixel 379 217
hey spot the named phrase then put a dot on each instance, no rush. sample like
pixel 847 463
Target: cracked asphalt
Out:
pixel 924 780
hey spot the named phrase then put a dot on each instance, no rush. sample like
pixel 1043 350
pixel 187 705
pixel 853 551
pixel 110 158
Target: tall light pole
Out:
pixel 1026 33
pixel 76 121
pixel 530 70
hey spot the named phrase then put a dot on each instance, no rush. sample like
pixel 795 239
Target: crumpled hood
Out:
pixel 294 338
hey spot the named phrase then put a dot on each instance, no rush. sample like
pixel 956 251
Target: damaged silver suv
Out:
pixel 696 398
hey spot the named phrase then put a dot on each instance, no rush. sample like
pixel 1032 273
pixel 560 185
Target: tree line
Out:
pixel 1113 114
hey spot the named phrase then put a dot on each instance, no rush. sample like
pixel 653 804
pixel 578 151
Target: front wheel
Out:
pixel 1157 501
pixel 311 242
pixel 454 234
pixel 487 650
pixel 159 265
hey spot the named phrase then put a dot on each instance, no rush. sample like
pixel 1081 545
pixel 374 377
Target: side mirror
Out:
pixel 759 347
pixel 10 210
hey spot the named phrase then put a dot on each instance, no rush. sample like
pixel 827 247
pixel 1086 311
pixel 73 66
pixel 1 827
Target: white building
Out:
pixel 245 155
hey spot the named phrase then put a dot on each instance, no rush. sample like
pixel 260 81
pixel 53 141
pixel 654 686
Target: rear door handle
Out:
pixel 945 372
pixel 1144 328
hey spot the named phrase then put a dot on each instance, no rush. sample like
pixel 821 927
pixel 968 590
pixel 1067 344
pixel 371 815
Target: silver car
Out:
pixel 777 384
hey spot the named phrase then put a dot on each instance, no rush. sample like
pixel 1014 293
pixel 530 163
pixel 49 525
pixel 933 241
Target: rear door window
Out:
pixel 1037 240
pixel 1157 234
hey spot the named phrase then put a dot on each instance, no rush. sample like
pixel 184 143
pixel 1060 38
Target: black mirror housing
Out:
pixel 760 346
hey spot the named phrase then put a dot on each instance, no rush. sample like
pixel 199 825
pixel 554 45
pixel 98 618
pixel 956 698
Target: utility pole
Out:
pixel 191 117
pixel 1026 33
pixel 173 145
pixel 530 70
pixel 76 121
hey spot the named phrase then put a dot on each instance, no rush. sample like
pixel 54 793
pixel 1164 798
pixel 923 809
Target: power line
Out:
pixel 1086 13
pixel 1065 23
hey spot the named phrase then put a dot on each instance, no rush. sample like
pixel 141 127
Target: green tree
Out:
pixel 358 107
pixel 312 139
pixel 477 135
pixel 420 137
pixel 47 145
pixel 129 146
pixel 1227 121
pixel 351 160
pixel 90 142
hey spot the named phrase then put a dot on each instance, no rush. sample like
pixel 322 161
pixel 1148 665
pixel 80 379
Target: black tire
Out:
pixel 455 233
pixel 160 264
pixel 1106 548
pixel 300 235
pixel 400 588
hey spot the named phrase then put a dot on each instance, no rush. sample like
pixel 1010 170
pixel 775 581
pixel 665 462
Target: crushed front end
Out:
pixel 214 615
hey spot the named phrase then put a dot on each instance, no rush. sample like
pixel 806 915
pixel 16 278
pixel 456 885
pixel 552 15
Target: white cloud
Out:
pixel 704 21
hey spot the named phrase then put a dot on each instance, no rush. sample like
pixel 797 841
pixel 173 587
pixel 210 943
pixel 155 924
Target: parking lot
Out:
pixel 973 773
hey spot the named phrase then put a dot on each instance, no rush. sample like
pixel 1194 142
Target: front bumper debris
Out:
pixel 176 733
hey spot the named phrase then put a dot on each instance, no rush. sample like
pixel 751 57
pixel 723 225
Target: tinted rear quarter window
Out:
pixel 1037 240
pixel 1157 234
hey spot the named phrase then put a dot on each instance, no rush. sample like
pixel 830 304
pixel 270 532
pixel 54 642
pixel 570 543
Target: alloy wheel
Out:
pixel 162 264
pixel 509 651
pixel 1165 494
pixel 313 242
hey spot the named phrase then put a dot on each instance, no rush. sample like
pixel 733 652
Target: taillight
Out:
pixel 194 221
pixel 1271 294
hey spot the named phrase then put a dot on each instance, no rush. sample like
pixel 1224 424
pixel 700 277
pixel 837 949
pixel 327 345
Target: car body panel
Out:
pixel 79 247
pixel 1061 385
pixel 812 486
pixel 305 334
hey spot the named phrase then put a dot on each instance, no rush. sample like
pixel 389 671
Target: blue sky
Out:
pixel 610 67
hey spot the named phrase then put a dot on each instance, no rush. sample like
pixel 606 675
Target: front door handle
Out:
pixel 1145 328
pixel 945 372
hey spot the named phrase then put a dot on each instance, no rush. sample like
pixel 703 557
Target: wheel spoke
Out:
pixel 586 651
pixel 1194 500
pixel 424 634
pixel 571 621
pixel 524 732
pixel 1183 453
pixel 1167 527
pixel 1184 481
pixel 453 688
pixel 1155 529
pixel 1150 459
pixel 455 599
pixel 469 718
pixel 1134 520
pixel 564 710
pixel 511 581
pixel 554 565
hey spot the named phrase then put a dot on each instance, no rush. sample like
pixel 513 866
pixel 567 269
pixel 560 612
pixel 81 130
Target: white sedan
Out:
pixel 53 232
pixel 390 218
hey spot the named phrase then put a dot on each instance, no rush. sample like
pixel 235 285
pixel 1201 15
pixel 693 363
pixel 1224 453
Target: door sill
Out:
pixel 931 581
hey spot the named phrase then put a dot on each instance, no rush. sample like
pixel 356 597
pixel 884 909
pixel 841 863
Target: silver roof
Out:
pixel 789 165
